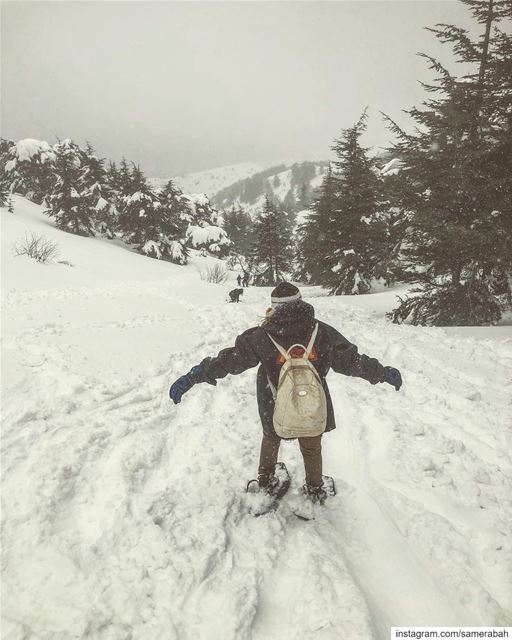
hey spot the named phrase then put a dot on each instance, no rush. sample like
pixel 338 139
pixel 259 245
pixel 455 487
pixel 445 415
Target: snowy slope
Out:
pixel 212 180
pixel 123 516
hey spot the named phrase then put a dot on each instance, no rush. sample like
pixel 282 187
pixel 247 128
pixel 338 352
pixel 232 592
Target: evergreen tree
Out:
pixel 238 226
pixel 137 218
pixel 10 204
pixel 154 224
pixel 177 208
pixel 175 217
pixel 205 231
pixel 459 242
pixel 66 203
pixel 355 242
pixel 120 181
pixel 272 251
pixel 125 178
pixel 202 211
pixel 29 168
pixel 315 242
pixel 287 212
pixel 5 178
pixel 98 197
pixel 394 218
pixel 499 158
pixel 113 177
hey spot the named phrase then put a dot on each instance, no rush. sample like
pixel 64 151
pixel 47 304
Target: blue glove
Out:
pixel 181 386
pixel 393 377
pixel 186 382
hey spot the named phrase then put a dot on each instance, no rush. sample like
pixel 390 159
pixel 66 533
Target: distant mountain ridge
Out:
pixel 211 181
pixel 294 186
pixel 246 184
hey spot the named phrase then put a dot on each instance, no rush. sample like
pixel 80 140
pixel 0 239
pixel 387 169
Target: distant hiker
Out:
pixel 239 280
pixel 235 294
pixel 245 280
pixel 293 342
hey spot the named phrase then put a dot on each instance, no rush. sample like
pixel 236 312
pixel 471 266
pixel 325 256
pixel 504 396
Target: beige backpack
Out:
pixel 300 404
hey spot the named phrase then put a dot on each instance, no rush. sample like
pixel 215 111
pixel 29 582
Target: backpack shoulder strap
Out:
pixel 279 348
pixel 311 342
pixel 307 351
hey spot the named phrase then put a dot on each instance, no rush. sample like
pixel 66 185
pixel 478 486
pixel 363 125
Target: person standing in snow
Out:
pixel 245 279
pixel 239 280
pixel 289 321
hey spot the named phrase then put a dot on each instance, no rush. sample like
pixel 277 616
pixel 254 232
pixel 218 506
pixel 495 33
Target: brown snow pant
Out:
pixel 311 449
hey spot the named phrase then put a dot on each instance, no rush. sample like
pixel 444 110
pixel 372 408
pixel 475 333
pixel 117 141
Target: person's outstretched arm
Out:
pixel 232 360
pixel 347 360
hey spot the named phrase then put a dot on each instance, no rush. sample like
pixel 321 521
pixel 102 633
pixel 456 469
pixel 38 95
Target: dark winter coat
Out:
pixel 291 323
pixel 235 294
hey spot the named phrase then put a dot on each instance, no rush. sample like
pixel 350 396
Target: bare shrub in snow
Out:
pixel 216 274
pixel 37 247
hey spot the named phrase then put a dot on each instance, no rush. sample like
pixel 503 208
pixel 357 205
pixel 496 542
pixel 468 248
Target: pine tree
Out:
pixel 155 224
pixel 459 243
pixel 175 217
pixel 356 247
pixel 5 178
pixel 10 204
pixel 65 202
pixel 29 168
pixel 97 194
pixel 120 181
pixel 202 212
pixel 272 252
pixel 238 226
pixel 113 177
pixel 137 218
pixel 394 217
pixel 125 178
pixel 316 244
pixel 499 159
pixel 177 208
pixel 205 231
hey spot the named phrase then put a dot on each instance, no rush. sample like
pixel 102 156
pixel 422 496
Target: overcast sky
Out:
pixel 186 86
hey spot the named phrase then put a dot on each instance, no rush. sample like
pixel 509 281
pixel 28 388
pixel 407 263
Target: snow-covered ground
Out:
pixel 123 516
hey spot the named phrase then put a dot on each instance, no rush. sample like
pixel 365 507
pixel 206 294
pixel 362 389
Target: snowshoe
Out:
pixel 306 506
pixel 264 494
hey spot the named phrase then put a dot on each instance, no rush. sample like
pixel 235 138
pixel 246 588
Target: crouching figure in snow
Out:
pixel 295 352
pixel 234 295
